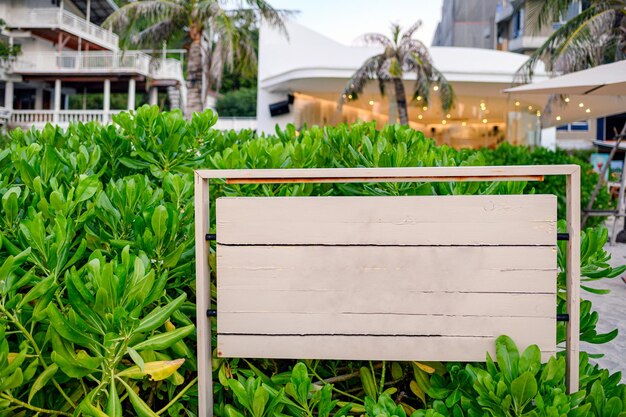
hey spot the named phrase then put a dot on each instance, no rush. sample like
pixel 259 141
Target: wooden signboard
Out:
pixel 384 278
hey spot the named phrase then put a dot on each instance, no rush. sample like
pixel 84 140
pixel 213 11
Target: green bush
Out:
pixel 237 103
pixel 97 277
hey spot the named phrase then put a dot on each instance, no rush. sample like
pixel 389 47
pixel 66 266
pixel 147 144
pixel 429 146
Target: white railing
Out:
pixel 168 68
pixel 64 20
pixel 98 62
pixel 38 118
pixel 236 123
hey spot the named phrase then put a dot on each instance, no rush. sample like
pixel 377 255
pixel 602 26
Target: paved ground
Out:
pixel 612 312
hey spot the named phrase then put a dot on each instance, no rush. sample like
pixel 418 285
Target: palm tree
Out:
pixel 210 30
pixel 401 54
pixel 595 36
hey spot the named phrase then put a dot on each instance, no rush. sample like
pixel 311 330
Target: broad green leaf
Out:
pixel 523 389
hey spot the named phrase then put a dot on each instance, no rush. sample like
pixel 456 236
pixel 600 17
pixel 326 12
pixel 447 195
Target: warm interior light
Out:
pixel 530 108
pixel 371 102
pixel 443 122
pixel 419 98
pixel 425 108
pixel 464 124
pixel 484 120
pixel 538 113
pixel 558 118
pixel 350 96
pixel 420 117
pixel 588 111
pixel 517 103
pixel 436 88
pixel 448 116
pixel 581 104
pixel 567 99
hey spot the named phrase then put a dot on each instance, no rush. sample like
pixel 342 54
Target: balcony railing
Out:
pixel 56 18
pixel 100 62
pixel 38 118
pixel 236 123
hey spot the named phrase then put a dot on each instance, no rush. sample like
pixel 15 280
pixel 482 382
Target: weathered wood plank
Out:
pixel 468 269
pixel 386 301
pixel 464 173
pixel 467 349
pixel 271 323
pixel 450 220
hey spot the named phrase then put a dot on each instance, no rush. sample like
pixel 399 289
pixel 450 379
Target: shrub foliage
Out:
pixel 97 279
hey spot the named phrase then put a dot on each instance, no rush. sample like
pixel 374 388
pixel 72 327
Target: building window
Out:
pixel 518 24
pixel 582 126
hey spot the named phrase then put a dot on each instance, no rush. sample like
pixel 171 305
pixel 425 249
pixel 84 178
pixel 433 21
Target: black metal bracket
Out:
pixel 211 313
pixel 562 236
pixel 562 317
pixel 210 236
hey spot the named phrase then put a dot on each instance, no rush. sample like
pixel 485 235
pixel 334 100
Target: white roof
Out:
pixel 308 54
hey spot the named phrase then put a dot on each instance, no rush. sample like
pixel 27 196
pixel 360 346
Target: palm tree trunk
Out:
pixel 401 100
pixel 194 74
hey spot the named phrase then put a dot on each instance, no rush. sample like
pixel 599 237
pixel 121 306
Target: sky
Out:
pixel 345 20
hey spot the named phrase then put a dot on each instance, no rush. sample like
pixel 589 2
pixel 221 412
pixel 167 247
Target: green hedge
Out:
pixel 97 278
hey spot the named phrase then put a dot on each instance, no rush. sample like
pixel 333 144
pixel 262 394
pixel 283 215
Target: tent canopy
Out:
pixel 595 92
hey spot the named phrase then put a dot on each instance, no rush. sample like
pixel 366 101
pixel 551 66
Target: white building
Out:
pixel 313 70
pixel 66 52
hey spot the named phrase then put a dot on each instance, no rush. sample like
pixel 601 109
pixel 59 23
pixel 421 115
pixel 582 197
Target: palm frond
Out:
pixel 150 11
pixel 543 12
pixel 371 69
pixel 374 39
pixel 575 38
pixel 153 35
pixel 408 34
pixel 275 18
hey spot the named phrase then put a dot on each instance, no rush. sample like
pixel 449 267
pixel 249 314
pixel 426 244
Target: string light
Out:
pixel 538 113
pixel 464 124
pixel 350 96
pixel 448 116
pixel 558 118
pixel 567 99
pixel 419 98
pixel 517 103
pixel 420 117
pixel 581 105
pixel 443 122
pixel 436 88
pixel 530 108
pixel 371 102
pixel 588 111
pixel 425 108
pixel 484 120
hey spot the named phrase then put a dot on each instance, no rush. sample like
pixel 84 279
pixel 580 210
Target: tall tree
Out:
pixel 401 54
pixel 597 35
pixel 213 33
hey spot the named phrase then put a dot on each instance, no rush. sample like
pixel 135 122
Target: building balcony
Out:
pixel 57 19
pixel 526 43
pixel 98 63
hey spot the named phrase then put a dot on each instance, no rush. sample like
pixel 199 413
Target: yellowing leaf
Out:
pixel 424 367
pixel 158 370
pixel 418 391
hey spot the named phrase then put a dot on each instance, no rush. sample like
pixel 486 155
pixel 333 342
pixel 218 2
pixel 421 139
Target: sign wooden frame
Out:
pixel 370 175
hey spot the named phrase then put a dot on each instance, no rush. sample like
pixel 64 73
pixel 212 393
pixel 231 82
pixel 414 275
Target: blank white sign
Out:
pixel 385 278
